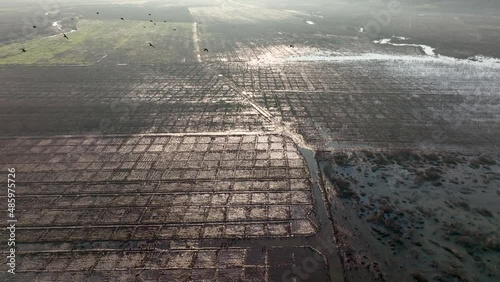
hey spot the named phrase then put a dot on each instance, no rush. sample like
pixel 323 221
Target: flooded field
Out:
pixel 251 141
pixel 430 214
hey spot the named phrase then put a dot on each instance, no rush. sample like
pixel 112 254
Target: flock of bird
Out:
pixel 150 44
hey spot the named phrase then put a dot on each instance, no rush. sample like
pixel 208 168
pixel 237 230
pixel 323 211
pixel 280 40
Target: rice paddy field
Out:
pixel 251 141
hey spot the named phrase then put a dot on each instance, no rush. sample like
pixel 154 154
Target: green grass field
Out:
pixel 120 41
pixel 16 9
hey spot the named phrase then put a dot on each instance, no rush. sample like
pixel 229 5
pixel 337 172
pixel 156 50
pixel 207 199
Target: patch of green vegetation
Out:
pixel 18 9
pixel 127 41
pixel 428 6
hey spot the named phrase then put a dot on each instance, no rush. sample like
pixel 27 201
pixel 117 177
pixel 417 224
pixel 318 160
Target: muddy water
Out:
pixel 324 240
pixel 416 216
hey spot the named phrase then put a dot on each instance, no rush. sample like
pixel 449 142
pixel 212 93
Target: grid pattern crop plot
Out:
pixel 379 102
pixel 312 77
pixel 176 264
pixel 149 99
pixel 159 188
pixel 384 118
pixel 397 76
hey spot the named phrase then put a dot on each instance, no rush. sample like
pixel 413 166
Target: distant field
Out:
pixel 113 41
pixel 8 10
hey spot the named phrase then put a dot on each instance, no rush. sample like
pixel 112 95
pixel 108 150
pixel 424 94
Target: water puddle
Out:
pixel 428 50
pixel 57 25
pixel 324 240
pixel 326 56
